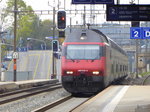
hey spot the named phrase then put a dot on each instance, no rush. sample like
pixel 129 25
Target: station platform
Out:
pixel 119 99
pixel 9 86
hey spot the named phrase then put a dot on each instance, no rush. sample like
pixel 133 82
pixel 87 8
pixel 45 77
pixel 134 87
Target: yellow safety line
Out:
pixel 39 55
pixel 50 63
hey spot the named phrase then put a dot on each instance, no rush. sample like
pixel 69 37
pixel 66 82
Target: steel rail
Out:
pixel 27 89
pixel 58 102
pixel 17 95
pixel 81 104
pixel 144 81
pixel 52 105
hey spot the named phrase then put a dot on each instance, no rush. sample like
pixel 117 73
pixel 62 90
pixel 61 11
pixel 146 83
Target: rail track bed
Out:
pixel 65 104
pixel 20 94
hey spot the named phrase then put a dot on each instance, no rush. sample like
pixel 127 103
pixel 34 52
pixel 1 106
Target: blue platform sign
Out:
pixel 146 33
pixel 140 33
pixel 135 33
pixel 92 1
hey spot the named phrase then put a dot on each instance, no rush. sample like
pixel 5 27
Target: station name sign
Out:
pixel 140 33
pixel 92 1
pixel 128 13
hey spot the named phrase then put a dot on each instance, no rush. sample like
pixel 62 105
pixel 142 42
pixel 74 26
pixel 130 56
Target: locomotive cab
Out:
pixel 83 62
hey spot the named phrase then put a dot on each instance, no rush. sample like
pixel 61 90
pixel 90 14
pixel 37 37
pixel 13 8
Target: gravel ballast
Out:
pixel 31 103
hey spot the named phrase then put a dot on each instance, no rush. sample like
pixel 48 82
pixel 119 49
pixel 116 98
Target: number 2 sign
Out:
pixel 135 33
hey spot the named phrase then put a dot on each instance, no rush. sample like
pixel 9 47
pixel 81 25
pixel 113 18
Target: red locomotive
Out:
pixel 91 61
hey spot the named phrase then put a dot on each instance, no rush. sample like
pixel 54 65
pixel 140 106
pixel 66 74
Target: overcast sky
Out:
pixel 43 5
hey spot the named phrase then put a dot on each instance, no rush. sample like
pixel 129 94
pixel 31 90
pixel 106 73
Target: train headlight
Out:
pixel 95 72
pixel 69 72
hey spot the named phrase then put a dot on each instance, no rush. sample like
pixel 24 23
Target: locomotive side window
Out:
pixel 83 52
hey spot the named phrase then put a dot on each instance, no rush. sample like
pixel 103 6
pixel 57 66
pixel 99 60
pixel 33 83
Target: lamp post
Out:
pixel 37 40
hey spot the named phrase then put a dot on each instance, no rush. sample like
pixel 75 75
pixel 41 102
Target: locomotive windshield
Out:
pixel 91 52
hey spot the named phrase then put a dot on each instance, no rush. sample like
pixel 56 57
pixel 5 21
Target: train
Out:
pixel 91 61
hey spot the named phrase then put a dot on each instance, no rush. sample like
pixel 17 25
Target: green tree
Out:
pixel 25 19
pixel 28 23
pixel 46 28
pixel 42 29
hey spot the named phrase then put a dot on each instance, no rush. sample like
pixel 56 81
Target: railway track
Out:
pixel 65 104
pixel 51 105
pixel 20 94
pixel 146 80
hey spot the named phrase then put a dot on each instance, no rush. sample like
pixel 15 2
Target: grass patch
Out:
pixel 145 73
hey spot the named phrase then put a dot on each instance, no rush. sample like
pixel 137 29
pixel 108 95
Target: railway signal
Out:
pixel 55 45
pixel 61 20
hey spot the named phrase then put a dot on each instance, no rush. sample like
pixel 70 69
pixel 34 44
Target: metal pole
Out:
pixel 94 14
pixel 70 24
pixel 64 4
pixel 53 62
pixel 91 14
pixel 146 54
pixel 70 20
pixel 15 34
pixel 58 5
pixel 146 50
pixel 136 58
pixel 118 2
pixel 136 24
pixel 0 59
pixel 84 17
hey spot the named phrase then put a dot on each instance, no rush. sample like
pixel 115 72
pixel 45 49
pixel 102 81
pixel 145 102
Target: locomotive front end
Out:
pixel 82 67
